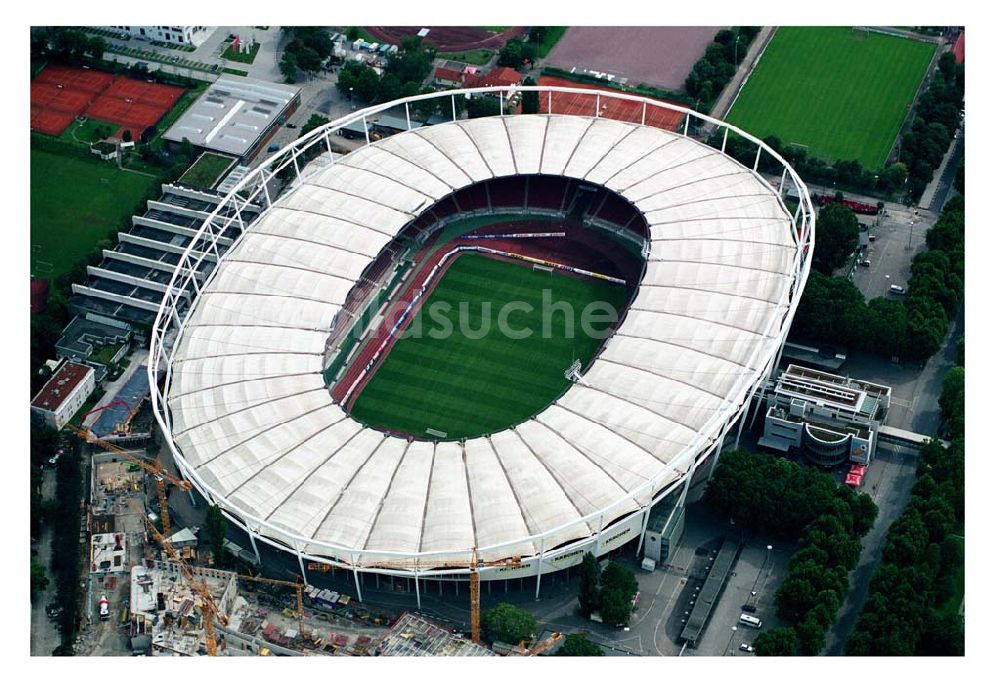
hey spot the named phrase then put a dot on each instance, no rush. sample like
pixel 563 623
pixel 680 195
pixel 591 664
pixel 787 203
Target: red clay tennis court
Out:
pixel 616 109
pixel 61 93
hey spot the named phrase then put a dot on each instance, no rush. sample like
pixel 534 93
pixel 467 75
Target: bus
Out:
pixel 752 621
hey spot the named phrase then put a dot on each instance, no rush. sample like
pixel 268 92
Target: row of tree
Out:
pixel 608 592
pixel 767 494
pixel 844 174
pixel 936 118
pixel 66 43
pixel 833 306
pixel 65 563
pixel 713 71
pixel 911 607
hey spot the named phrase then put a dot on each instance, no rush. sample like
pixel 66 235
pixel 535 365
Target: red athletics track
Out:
pixel 560 250
pixel 615 109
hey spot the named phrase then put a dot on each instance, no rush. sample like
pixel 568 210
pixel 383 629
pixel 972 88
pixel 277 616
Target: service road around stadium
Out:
pixel 726 266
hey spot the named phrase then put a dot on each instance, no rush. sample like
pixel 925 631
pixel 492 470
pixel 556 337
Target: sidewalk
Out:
pixel 732 90
pixel 944 174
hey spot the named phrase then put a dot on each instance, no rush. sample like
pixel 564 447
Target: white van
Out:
pixel 896 289
pixel 752 621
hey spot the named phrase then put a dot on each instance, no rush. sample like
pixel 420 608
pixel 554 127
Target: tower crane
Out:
pixel 474 566
pixel 541 646
pixel 155 469
pixel 209 609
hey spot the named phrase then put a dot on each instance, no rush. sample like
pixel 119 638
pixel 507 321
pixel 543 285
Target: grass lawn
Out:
pixel 242 57
pixel 206 170
pixel 465 386
pixel 553 36
pixel 842 93
pixel 74 204
pixel 88 131
pixel 476 57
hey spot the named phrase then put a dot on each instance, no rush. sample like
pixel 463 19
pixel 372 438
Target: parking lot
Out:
pixel 895 244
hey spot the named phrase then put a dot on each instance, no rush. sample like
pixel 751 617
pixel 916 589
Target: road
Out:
pixel 891 477
pixel 44 634
pixel 946 177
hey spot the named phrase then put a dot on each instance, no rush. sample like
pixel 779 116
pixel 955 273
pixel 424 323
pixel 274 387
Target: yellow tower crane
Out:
pixel 541 646
pixel 155 469
pixel 474 566
pixel 209 608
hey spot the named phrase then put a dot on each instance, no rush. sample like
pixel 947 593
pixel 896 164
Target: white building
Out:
pixel 63 395
pixel 180 35
pixel 831 418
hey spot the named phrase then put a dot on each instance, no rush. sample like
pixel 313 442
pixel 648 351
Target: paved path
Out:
pixel 732 90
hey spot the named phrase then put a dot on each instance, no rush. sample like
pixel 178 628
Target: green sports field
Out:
pixel 842 93
pixel 75 203
pixel 464 386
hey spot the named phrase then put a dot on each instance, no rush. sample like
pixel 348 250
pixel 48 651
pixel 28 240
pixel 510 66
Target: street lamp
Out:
pixel 728 649
pixel 909 241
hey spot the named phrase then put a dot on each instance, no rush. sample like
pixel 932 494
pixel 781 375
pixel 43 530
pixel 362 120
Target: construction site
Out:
pixel 153 591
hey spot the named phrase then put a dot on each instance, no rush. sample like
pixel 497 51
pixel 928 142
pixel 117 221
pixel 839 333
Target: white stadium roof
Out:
pixel 257 427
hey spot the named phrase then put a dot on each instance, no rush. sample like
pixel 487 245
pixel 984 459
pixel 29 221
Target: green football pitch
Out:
pixel 74 204
pixel 465 386
pixel 842 93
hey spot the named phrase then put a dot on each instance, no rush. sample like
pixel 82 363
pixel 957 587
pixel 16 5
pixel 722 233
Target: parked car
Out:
pixel 896 289
pixel 871 238
pixel 746 648
pixel 866 263
pixel 749 608
pixel 55 457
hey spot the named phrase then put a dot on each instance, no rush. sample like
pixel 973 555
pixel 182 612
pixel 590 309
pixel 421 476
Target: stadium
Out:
pixel 292 395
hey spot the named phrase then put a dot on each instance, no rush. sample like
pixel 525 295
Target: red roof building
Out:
pixel 63 394
pixel 447 76
pixel 500 77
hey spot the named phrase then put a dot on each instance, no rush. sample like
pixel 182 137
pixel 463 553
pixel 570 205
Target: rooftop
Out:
pixel 832 391
pixel 58 388
pixel 232 114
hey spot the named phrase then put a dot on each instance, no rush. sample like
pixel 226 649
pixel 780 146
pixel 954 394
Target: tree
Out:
pixel 95 47
pixel 507 623
pixel 215 531
pixel 127 135
pixel 836 237
pixel 886 334
pixel 590 588
pixel 352 33
pixel 578 645
pixel 810 633
pixel 315 120
pixel 529 100
pixel 482 106
pixel 952 402
pixel 895 176
pixel 510 53
pixel 616 609
pixel 618 577
pixel 537 34
pixel 618 587
pixel 39 581
pixel 777 642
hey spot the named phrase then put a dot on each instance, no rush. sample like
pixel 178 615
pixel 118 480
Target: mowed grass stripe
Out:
pixel 842 95
pixel 467 386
